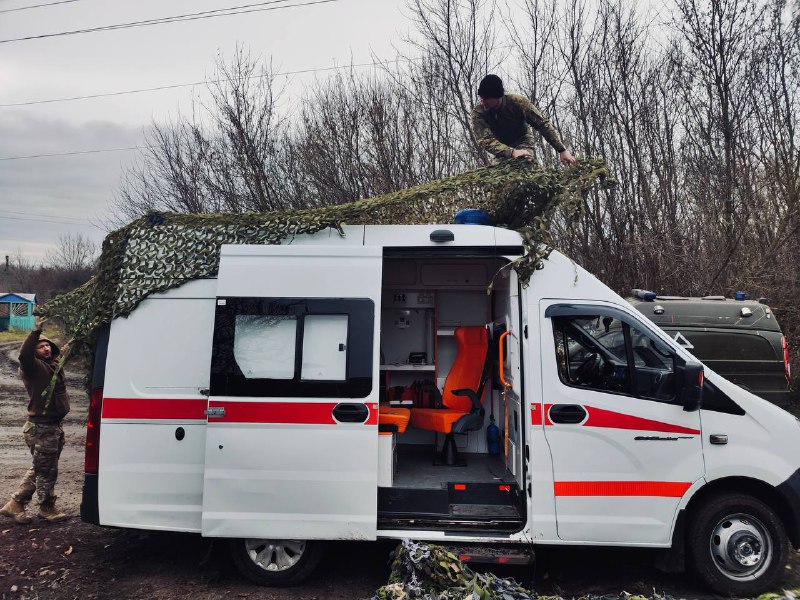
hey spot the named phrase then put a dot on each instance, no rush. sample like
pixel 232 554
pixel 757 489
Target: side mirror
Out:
pixel 692 389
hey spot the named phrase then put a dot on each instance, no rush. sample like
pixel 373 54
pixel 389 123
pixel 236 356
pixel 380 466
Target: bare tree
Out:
pixel 358 137
pixel 72 253
pixel 228 155
pixel 722 40
pixel 542 73
pixel 171 175
pixel 246 169
pixel 21 275
pixel 455 46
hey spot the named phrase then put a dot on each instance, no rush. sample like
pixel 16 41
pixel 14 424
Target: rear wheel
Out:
pixel 275 563
pixel 737 545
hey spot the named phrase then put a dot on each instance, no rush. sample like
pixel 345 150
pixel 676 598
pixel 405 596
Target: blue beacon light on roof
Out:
pixel 644 294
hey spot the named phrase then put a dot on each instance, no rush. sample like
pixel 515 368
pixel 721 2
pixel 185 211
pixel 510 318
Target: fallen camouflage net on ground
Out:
pixel 161 251
pixel 423 571
pixel 428 572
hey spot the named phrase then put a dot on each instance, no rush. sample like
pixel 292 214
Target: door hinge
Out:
pixel 525 332
pixel 215 411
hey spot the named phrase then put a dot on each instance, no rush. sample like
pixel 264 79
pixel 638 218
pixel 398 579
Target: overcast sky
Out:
pixel 41 198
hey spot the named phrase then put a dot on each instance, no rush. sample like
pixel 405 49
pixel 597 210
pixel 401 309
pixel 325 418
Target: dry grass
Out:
pixel 12 336
pixel 51 331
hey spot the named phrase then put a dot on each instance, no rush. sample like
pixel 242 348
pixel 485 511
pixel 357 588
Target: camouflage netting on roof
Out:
pixel 427 572
pixel 160 251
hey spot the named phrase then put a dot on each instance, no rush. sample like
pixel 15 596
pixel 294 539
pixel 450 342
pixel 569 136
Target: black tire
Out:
pixel 260 560
pixel 737 545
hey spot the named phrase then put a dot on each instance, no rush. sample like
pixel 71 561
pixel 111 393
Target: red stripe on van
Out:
pixel 305 413
pixel 536 415
pixel 664 489
pixel 150 408
pixel 599 417
pixel 372 419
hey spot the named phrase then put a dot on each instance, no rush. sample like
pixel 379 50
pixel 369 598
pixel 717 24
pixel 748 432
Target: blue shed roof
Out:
pixel 14 297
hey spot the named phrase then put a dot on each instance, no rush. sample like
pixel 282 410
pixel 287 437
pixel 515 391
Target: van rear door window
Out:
pixel 264 346
pixel 324 348
pixel 293 347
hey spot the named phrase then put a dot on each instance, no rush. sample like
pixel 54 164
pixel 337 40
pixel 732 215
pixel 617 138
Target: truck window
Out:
pixel 293 347
pixel 718 345
pixel 264 346
pixel 324 348
pixel 605 354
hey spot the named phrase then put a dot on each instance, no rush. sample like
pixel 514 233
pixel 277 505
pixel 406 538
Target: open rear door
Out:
pixel 292 437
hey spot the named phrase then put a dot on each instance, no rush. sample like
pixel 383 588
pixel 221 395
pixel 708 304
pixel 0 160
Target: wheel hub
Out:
pixel 275 555
pixel 745 549
pixel 740 546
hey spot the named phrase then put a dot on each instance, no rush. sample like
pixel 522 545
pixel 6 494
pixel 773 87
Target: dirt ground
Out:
pixel 75 560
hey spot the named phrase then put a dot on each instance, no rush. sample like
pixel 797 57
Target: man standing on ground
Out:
pixel 43 433
pixel 500 123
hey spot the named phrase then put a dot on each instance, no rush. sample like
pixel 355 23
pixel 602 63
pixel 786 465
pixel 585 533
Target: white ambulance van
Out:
pixel 342 388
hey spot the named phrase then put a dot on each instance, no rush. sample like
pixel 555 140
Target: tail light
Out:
pixel 787 365
pixel 93 432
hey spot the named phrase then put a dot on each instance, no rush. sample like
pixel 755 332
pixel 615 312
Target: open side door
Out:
pixel 292 437
pixel 510 381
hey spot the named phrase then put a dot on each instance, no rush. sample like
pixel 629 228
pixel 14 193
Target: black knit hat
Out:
pixel 491 87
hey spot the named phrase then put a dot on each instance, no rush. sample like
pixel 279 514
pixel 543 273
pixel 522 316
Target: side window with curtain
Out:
pixel 291 347
pixel 604 353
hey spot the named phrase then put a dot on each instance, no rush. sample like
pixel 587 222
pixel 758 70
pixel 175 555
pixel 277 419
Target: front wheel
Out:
pixel 737 545
pixel 275 563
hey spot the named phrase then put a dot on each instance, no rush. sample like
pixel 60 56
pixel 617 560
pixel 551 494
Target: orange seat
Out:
pixel 461 400
pixel 391 415
pixel 435 419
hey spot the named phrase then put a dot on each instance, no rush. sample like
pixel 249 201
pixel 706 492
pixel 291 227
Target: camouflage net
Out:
pixel 428 572
pixel 161 251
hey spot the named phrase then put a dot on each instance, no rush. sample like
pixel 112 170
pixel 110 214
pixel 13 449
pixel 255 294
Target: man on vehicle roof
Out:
pixel 500 123
pixel 43 432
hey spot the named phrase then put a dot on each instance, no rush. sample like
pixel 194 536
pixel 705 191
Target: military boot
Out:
pixel 16 510
pixel 49 512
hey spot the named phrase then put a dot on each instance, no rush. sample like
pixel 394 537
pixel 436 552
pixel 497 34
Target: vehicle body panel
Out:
pixel 286 468
pixel 300 478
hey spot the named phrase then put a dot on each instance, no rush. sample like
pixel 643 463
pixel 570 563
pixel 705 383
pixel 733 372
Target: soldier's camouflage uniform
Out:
pixel 43 432
pixel 502 130
pixel 46 441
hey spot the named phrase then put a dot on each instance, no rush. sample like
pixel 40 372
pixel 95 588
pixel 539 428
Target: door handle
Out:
pixel 350 413
pixel 567 414
pixel 215 411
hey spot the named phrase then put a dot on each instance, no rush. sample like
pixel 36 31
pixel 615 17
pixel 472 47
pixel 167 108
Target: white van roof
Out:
pixel 400 236
pixel 560 277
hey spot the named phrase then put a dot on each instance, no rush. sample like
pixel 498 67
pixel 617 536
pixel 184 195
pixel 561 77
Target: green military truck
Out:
pixel 738 338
